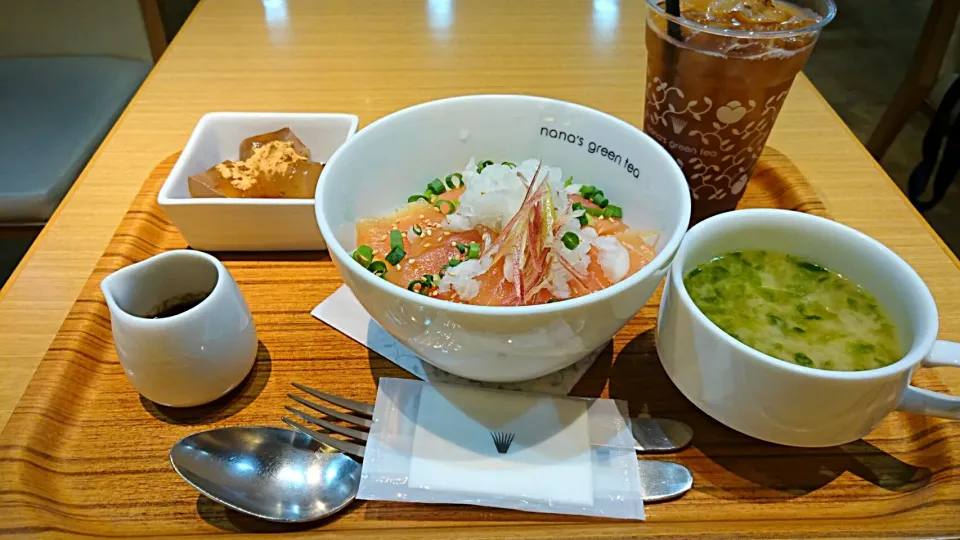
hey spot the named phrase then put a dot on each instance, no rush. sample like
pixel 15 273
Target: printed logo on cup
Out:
pixel 716 145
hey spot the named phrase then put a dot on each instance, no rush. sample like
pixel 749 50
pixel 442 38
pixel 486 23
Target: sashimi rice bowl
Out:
pixel 502 238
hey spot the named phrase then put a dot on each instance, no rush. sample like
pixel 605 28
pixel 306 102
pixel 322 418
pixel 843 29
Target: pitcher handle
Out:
pixel 928 403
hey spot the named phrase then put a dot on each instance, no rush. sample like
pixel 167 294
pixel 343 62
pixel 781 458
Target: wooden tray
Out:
pixel 83 454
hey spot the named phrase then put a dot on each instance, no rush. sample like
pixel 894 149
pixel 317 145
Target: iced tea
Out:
pixel 716 79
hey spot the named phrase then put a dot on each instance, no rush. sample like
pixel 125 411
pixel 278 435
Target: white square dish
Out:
pixel 223 224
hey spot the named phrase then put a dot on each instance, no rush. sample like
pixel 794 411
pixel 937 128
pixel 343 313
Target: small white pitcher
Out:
pixel 190 358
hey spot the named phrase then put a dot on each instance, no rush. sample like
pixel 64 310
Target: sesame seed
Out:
pixel 384 237
pixel 453 243
pixel 411 261
pixel 397 267
pixel 429 232
pixel 426 244
pixel 421 216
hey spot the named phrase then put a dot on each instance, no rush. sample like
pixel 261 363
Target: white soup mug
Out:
pixel 779 401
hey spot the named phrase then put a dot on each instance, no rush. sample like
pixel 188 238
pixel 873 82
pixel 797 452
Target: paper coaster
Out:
pixel 343 311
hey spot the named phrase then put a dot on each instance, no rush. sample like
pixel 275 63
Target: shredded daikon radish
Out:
pixel 614 258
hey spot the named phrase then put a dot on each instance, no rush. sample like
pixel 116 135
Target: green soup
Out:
pixel 794 310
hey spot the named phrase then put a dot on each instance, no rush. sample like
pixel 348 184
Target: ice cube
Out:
pixel 750 15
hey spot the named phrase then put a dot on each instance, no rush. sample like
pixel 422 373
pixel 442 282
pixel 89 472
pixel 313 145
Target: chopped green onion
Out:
pixel 587 191
pixel 612 211
pixel 599 199
pixel 595 212
pixel 451 207
pixel 454 185
pixel 396 240
pixel 483 165
pixel 583 219
pixel 395 256
pixel 802 359
pixel 473 251
pixel 417 229
pixel 509 164
pixel 552 300
pixel 378 268
pixel 450 264
pixel 422 285
pixel 363 255
pixel 570 240
pixel 461 248
pixel 436 186
pixel 811 266
pixel 422 289
pixel 569 182
pixel 415 198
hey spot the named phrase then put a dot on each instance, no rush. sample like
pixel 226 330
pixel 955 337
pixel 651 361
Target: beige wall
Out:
pixel 73 27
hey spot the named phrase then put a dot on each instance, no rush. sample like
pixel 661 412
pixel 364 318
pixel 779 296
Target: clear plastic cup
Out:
pixel 713 94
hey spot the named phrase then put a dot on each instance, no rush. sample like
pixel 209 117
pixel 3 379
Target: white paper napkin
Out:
pixel 546 445
pixel 343 311
pixel 441 443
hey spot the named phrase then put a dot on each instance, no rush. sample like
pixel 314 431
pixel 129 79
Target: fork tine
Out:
pixel 336 428
pixel 343 446
pixel 355 406
pixel 365 422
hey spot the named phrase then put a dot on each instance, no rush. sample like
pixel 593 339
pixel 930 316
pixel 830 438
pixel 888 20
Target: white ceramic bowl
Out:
pixel 248 224
pixel 780 401
pixel 379 167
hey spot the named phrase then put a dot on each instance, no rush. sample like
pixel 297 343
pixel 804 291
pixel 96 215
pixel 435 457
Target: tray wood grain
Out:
pixel 85 455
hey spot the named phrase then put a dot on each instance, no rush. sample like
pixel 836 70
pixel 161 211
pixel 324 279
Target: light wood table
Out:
pixel 372 58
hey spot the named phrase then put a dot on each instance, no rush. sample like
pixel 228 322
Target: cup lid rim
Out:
pixel 831 9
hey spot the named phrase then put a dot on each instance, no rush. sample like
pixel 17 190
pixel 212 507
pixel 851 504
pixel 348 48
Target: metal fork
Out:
pixel 660 480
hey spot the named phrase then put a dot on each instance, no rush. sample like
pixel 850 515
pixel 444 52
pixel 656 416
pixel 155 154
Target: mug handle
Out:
pixel 925 402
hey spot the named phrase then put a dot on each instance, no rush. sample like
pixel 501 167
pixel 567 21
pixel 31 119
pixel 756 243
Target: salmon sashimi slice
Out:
pixel 431 252
pixel 426 253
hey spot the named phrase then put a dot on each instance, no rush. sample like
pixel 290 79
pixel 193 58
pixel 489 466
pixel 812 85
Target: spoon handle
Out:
pixel 660 435
pixel 663 480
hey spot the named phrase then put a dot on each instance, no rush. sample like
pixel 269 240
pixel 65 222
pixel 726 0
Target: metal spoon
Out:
pixel 271 473
pixel 661 480
pixel 279 475
pixel 660 435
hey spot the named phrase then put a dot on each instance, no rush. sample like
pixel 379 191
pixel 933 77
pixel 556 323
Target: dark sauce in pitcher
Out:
pixel 178 305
